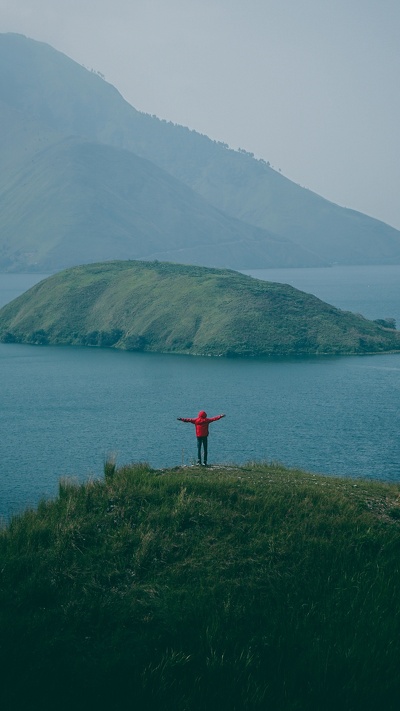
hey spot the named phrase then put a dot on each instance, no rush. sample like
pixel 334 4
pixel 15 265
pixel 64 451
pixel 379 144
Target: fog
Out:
pixel 309 85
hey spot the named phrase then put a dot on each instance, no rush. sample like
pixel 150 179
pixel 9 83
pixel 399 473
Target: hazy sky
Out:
pixel 313 86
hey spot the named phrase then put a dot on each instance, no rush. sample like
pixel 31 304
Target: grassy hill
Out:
pixel 232 588
pixel 173 308
pixel 281 224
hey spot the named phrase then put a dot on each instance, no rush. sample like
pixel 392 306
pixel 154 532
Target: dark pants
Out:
pixel 201 441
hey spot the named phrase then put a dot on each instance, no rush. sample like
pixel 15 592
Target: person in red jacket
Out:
pixel 201 423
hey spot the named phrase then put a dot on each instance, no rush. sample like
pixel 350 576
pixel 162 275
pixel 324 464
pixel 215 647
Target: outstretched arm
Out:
pixel 186 419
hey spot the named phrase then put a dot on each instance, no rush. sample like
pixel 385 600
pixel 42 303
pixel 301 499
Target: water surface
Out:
pixel 64 409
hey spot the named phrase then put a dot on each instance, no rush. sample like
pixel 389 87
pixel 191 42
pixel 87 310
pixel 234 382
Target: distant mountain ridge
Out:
pixel 88 202
pixel 86 177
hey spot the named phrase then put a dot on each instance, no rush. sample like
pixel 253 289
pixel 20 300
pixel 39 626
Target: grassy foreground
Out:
pixel 253 587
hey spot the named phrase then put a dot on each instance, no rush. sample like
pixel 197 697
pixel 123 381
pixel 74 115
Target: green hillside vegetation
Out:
pixel 231 588
pixel 276 222
pixel 173 308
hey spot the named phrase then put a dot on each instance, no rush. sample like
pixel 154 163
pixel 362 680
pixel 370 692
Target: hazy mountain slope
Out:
pixel 261 196
pixel 65 201
pixel 68 201
pixel 37 79
pixel 171 308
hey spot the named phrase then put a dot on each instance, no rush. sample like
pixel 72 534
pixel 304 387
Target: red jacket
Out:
pixel 201 422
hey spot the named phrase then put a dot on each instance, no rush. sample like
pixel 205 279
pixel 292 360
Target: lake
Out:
pixel 64 410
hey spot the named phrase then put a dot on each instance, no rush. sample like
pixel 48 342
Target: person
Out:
pixel 201 423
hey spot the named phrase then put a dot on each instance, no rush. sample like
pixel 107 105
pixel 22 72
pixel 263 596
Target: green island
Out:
pixel 233 588
pixel 174 308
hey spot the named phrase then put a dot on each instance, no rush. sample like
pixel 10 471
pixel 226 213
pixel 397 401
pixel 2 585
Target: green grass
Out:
pixel 253 587
pixel 174 308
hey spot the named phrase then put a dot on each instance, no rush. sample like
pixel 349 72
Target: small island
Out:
pixel 173 308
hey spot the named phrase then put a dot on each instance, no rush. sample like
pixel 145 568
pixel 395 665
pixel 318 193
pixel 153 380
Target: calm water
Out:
pixel 64 409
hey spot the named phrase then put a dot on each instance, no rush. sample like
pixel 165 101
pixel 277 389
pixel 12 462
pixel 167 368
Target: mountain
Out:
pixel 78 202
pixel 174 308
pixel 86 177
pixel 66 198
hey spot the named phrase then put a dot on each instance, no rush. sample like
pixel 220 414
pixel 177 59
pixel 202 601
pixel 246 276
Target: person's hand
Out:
pixel 223 415
pixel 179 418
